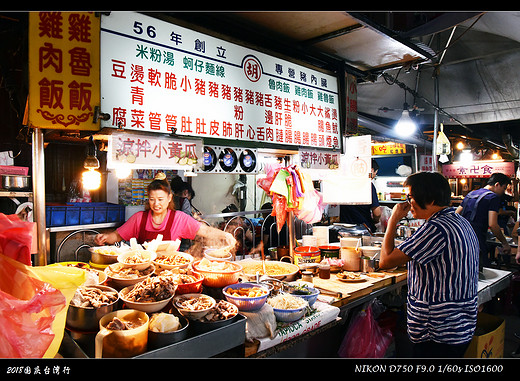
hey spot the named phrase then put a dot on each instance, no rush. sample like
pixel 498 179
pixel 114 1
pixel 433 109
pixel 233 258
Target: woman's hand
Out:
pixel 230 239
pixel 107 238
pixel 400 211
pixel 100 239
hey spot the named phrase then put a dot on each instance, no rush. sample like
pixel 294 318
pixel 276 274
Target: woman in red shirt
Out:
pixel 160 217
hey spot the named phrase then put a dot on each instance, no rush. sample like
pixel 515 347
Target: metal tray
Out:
pixel 203 345
pixel 207 344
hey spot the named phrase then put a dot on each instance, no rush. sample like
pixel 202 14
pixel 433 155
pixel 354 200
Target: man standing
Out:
pixel 442 261
pixel 480 207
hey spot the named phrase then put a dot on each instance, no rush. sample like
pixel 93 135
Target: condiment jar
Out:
pixel 307 276
pixel 324 270
pixel 329 251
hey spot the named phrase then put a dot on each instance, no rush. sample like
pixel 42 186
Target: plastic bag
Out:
pixel 271 170
pixel 16 238
pixel 311 206
pixel 279 210
pixel 364 337
pixel 33 303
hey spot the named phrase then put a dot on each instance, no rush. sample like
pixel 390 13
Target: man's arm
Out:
pixel 495 229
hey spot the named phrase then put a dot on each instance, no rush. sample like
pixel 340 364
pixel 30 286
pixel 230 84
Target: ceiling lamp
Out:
pixel 466 156
pixel 405 126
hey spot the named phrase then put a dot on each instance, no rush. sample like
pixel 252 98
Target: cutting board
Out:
pixel 349 290
pixel 398 274
pixel 353 290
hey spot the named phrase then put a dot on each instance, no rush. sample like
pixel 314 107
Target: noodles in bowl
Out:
pixel 273 269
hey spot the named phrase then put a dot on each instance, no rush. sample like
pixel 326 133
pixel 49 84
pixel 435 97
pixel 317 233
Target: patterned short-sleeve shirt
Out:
pixel 442 279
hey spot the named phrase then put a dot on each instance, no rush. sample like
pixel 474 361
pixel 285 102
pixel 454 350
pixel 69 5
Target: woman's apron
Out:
pixel 147 236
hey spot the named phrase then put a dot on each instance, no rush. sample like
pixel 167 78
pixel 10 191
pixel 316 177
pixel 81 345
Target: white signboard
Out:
pixel 316 159
pixel 148 151
pixel 158 77
pixel 351 184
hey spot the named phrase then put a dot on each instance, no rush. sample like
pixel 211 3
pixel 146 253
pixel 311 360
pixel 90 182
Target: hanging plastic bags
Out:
pixel 291 190
pixel 33 303
pixel 16 238
pixel 311 204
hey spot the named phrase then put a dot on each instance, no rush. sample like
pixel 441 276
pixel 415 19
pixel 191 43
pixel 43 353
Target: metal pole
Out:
pixel 435 117
pixel 290 228
pixel 38 180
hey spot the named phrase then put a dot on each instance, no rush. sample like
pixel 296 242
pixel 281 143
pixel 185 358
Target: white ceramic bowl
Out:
pixel 119 282
pixel 148 307
pixel 289 315
pixel 193 314
pixel 147 258
pixel 187 260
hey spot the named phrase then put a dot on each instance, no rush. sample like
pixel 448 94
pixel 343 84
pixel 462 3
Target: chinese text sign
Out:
pixel 63 70
pixel 149 151
pixel 160 77
pixel 478 169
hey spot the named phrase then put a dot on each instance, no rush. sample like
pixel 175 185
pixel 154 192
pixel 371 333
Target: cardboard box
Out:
pixel 488 340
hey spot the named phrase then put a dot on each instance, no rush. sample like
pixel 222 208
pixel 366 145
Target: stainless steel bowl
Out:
pixel 15 182
pixel 101 259
pixel 86 319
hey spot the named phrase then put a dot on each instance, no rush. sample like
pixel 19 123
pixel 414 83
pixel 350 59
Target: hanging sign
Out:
pixel 160 77
pixel 351 106
pixel 425 163
pixel 63 70
pixel 351 184
pixel 140 151
pixel 388 148
pixel 478 169
pixel 315 159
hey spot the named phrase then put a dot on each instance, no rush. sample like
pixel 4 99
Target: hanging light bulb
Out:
pixel 405 126
pixel 91 178
pixel 466 156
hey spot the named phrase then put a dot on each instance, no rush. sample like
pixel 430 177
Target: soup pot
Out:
pixel 15 182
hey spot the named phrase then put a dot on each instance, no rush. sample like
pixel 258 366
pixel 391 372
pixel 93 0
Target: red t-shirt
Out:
pixel 184 226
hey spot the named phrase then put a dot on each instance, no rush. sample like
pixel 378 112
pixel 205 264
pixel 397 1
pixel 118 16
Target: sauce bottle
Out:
pixel 324 270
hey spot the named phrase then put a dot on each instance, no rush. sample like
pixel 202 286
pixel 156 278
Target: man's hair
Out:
pixel 375 166
pixel 498 177
pixel 427 187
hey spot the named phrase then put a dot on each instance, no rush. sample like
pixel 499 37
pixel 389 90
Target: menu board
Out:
pixel 160 77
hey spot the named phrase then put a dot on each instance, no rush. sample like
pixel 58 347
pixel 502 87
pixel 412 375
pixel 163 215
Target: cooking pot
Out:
pixel 15 182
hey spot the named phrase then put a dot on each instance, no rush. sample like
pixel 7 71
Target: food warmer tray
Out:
pixel 207 344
